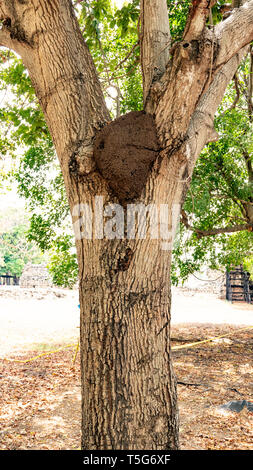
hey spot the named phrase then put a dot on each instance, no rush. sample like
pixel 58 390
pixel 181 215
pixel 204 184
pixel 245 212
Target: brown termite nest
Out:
pixel 125 151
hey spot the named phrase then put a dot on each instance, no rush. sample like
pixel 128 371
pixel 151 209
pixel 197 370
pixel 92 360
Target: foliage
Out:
pixel 16 251
pixel 248 265
pixel 178 11
pixel 63 265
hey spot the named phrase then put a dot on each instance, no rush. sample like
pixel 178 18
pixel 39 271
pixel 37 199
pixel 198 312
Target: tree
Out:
pixel 15 250
pixel 128 385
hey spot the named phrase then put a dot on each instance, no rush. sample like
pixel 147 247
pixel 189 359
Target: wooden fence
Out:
pixel 6 280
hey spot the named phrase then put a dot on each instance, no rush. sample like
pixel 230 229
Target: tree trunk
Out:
pixel 128 386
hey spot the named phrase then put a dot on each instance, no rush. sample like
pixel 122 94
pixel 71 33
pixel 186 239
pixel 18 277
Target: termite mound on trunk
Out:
pixel 125 151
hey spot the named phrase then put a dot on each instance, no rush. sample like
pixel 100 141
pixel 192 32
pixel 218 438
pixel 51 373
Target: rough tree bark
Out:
pixel 128 385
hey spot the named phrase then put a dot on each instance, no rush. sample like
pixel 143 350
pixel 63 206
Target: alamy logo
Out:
pixel 136 221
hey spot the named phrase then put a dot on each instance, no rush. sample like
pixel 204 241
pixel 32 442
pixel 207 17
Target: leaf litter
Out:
pixel 40 401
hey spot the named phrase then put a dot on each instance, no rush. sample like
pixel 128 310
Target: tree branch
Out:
pixel 7 21
pixel 12 33
pixel 234 33
pixel 47 36
pixel 237 90
pixel 215 231
pixel 154 41
pixel 250 85
pixel 198 14
pixel 127 56
pixel 201 130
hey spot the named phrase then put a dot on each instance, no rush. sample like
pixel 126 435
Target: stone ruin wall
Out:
pixel 35 276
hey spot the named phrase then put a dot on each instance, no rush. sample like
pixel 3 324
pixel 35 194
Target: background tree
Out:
pixel 15 250
pixel 129 393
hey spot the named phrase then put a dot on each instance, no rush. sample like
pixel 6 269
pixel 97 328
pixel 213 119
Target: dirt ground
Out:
pixel 40 403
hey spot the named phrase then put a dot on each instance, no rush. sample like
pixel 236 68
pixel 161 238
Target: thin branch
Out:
pixel 233 229
pixel 237 97
pixel 249 166
pixel 250 85
pixel 215 231
pixel 188 384
pixel 116 77
pixel 237 90
pixel 127 56
pixel 106 66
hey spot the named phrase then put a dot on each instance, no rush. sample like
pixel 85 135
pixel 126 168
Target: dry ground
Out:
pixel 40 399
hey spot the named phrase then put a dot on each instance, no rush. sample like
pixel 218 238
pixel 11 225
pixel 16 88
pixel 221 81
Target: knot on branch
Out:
pixel 15 24
pixel 190 50
pixel 212 135
pixel 81 161
pixel 124 262
pixel 18 33
pixel 6 22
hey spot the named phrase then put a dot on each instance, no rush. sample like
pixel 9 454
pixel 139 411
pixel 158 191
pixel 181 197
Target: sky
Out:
pixel 11 199
pixel 119 3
